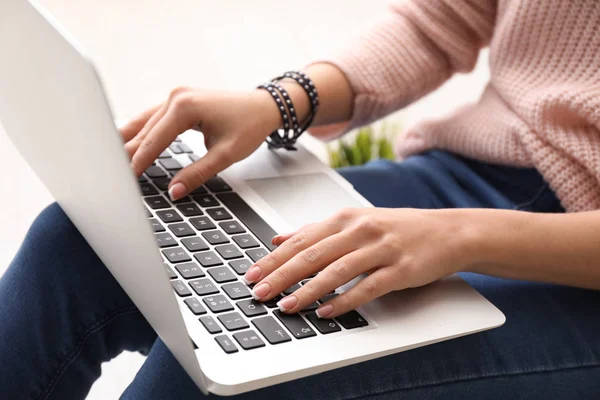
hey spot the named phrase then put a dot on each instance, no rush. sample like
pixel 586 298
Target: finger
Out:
pixel 278 239
pixel 307 262
pixel 373 286
pixel 300 241
pixel 194 175
pixel 157 140
pixel 338 273
pixel 132 146
pixel 134 126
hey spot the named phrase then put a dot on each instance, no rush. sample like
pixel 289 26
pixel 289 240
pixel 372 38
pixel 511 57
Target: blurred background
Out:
pixel 142 49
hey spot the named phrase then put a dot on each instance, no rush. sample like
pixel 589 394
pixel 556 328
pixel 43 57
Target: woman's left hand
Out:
pixel 397 248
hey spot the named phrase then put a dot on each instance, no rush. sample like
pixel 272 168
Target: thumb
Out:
pixel 194 175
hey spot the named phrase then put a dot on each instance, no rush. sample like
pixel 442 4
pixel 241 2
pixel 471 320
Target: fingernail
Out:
pixel 287 303
pixel 251 275
pixel 275 239
pixel 324 311
pixel 261 291
pixel 177 191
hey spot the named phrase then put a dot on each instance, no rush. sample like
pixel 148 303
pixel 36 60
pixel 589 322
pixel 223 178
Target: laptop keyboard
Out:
pixel 208 241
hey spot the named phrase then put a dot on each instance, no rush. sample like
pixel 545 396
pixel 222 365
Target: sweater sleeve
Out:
pixel 408 52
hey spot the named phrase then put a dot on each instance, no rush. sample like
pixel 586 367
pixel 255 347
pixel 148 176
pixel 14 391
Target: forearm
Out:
pixel 556 248
pixel 335 94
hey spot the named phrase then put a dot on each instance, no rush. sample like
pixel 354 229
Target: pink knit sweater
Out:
pixel 541 107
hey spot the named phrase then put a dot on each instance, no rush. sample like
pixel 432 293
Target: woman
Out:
pixel 514 180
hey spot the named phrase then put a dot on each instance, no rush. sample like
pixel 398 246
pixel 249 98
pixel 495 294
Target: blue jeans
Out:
pixel 62 313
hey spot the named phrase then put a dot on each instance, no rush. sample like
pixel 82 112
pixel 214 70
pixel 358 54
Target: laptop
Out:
pixel 181 263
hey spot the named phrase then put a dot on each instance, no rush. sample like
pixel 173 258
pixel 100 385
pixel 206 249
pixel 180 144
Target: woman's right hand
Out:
pixel 234 125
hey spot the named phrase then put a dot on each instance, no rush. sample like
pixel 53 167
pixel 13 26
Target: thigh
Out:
pixel 440 179
pixel 549 348
pixel 61 315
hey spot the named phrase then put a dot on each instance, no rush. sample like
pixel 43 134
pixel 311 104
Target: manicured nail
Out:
pixel 287 303
pixel 177 191
pixel 251 275
pixel 324 311
pixel 261 291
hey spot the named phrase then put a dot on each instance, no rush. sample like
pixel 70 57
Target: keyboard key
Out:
pixel 202 223
pixel 273 302
pixel 199 190
pixel 184 147
pixel 311 307
pixel 156 226
pixel 256 254
pixel 236 290
pixel 180 288
pixel 218 214
pixel 271 330
pixel 204 287
pixel 251 308
pixel 233 321
pixel 222 274
pixel 165 240
pixel 142 179
pixel 189 209
pixel 170 164
pixel 226 344
pixel 249 217
pixel 229 251
pixel 248 340
pixel 162 183
pixel 217 184
pixel 182 229
pixel 169 216
pixel 194 244
pixel 177 140
pixel 190 270
pixel 291 289
pixel 208 259
pixel 231 227
pixel 176 255
pixel 351 320
pixel 215 237
pixel 185 199
pixel 295 324
pixel 148 213
pixel 210 324
pixel 175 149
pixel 148 189
pixel 170 273
pixel 323 325
pixel 157 202
pixel 195 306
pixel 154 171
pixel 240 266
pixel 206 200
pixel 164 154
pixel 218 303
pixel 327 297
pixel 245 241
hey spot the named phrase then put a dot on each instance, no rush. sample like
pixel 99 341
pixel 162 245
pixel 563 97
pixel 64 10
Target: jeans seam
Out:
pixel 474 378
pixel 535 198
pixel 73 354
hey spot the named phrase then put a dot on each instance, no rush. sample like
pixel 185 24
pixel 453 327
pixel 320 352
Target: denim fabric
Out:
pixel 62 313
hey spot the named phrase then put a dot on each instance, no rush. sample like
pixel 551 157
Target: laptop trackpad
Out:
pixel 302 199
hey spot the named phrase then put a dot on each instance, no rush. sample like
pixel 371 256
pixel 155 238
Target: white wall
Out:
pixel 144 48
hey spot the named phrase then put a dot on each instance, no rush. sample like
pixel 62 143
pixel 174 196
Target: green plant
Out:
pixel 366 146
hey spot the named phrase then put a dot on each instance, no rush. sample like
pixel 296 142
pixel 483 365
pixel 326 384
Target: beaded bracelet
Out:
pixel 291 126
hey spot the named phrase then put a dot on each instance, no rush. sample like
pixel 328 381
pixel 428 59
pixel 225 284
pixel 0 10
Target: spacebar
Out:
pixel 249 217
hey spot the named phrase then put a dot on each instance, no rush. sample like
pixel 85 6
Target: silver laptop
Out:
pixel 181 263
